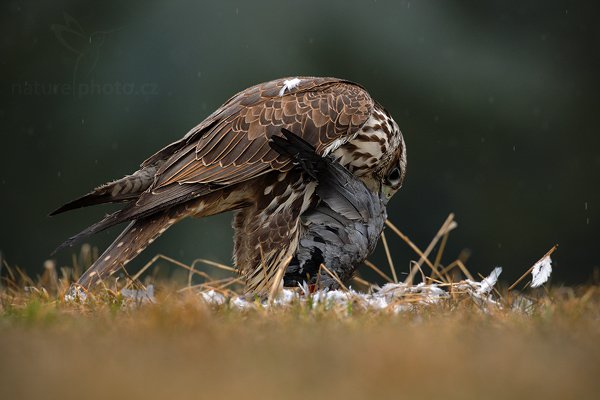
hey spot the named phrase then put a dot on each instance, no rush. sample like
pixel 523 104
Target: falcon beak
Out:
pixel 388 191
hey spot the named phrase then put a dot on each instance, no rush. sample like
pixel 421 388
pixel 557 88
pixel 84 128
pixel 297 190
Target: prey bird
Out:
pixel 342 229
pixel 226 163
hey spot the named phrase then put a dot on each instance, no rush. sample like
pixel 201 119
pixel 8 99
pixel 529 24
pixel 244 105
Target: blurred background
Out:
pixel 498 102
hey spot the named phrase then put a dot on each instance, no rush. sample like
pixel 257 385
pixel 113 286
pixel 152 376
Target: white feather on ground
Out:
pixel 541 272
pixel 396 297
pixel 213 297
pixel 140 295
pixel 488 283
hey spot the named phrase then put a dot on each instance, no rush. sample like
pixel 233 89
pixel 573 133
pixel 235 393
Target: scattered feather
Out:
pixel 541 271
pixel 286 296
pixel 395 297
pixel 488 283
pixel 142 295
pixel 213 297
pixel 240 303
pixel 304 288
pixel 75 295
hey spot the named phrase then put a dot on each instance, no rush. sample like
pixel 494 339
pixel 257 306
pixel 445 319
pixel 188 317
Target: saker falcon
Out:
pixel 227 164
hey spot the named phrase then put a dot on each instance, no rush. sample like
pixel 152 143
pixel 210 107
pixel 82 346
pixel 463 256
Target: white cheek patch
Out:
pixel 288 85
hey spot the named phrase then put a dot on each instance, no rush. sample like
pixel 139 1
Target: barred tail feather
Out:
pixel 124 189
pixel 132 241
pixel 90 199
pixel 107 222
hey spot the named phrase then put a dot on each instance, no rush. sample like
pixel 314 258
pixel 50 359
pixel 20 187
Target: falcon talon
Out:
pixel 349 159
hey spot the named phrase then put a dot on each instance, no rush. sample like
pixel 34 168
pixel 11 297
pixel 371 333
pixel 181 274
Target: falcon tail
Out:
pixel 124 189
pixel 132 241
pixel 109 221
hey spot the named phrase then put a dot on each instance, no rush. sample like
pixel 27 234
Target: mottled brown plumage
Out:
pixel 225 163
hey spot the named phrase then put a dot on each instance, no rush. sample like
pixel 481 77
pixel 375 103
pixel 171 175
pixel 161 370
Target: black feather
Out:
pixel 336 183
pixel 90 199
pixel 110 220
pixel 300 151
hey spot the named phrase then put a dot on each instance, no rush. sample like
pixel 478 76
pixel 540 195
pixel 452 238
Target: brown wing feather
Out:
pixel 242 137
pixel 231 145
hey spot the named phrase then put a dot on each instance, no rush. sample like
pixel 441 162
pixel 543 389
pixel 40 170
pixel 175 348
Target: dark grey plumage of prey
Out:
pixel 227 164
pixel 344 226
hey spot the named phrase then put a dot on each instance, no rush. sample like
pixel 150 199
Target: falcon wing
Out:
pixel 231 146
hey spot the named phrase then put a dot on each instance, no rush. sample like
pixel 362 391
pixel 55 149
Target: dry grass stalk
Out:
pixel 157 257
pixel 446 227
pixel 378 271
pixel 437 278
pixel 277 284
pixel 335 277
pixel 389 257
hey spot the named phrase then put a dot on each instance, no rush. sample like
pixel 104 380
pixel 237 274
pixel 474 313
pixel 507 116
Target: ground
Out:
pixel 454 336
pixel 180 347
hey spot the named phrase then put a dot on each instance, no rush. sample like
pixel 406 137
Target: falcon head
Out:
pixel 392 175
pixel 377 154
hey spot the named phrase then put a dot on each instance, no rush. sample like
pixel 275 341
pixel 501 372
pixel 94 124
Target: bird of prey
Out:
pixel 342 229
pixel 227 164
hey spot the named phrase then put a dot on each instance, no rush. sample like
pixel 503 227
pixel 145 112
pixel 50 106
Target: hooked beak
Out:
pixel 388 192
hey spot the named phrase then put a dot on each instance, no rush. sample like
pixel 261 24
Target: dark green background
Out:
pixel 498 102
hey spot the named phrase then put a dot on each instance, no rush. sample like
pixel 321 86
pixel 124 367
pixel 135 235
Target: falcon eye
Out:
pixel 394 177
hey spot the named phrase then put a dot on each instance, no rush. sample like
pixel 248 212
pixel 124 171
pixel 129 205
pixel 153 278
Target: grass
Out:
pixel 180 347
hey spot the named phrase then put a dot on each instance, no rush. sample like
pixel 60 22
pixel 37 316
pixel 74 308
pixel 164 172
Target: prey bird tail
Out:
pixel 336 185
pixel 124 189
pixel 132 241
pixel 299 151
